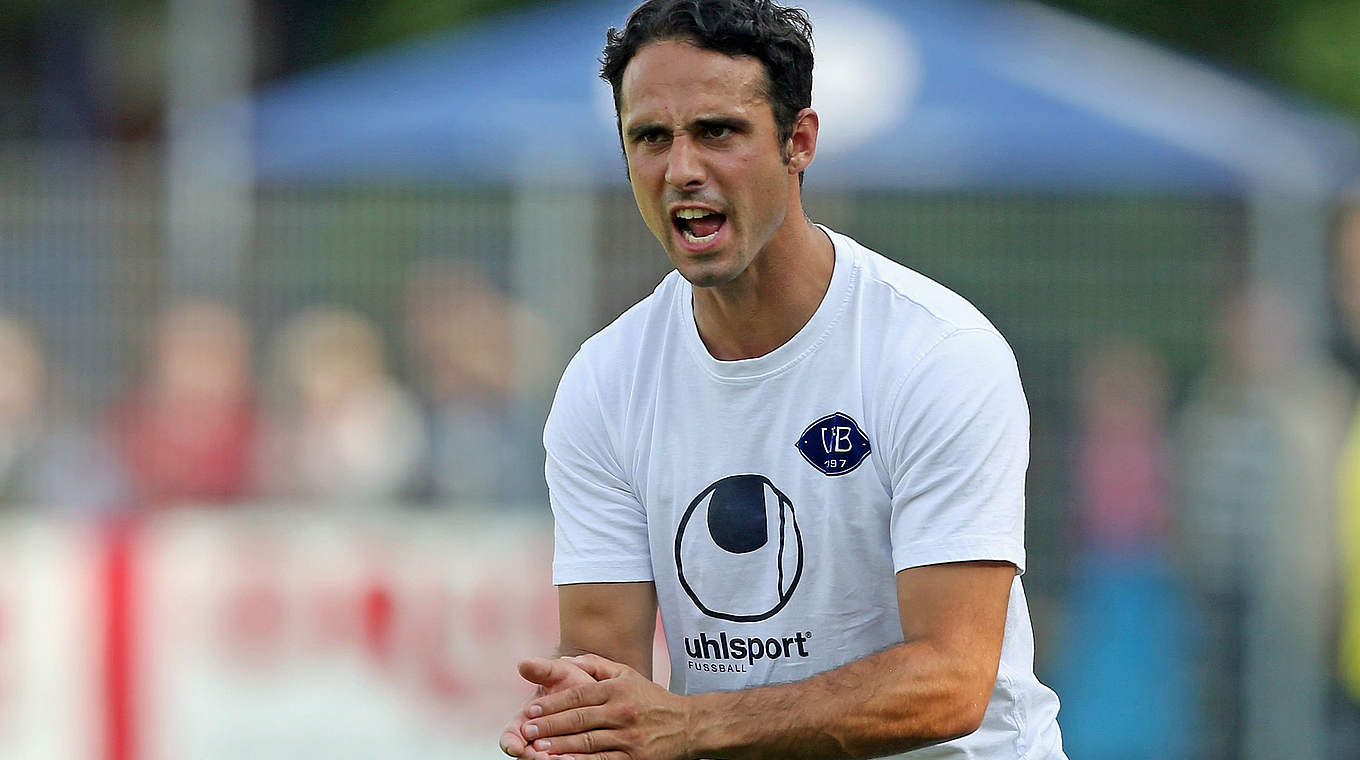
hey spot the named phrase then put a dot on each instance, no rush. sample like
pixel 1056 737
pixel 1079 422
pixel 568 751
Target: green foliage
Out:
pixel 386 22
pixel 1319 52
pixel 1309 46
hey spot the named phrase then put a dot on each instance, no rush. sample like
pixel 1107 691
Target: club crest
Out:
pixel 835 444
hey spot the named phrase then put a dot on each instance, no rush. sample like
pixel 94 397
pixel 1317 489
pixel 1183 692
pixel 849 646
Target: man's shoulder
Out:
pixel 905 293
pixel 910 326
pixel 616 351
pixel 630 331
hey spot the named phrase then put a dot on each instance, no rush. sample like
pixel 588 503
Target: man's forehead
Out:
pixel 675 72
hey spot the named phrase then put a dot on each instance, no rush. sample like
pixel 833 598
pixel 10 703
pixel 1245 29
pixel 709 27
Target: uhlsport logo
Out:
pixel 738 550
pixel 736 654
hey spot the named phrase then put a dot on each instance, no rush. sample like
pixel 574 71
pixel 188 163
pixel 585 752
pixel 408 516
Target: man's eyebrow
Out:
pixel 638 130
pixel 734 123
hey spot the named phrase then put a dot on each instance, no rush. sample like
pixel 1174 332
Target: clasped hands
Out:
pixel 592 708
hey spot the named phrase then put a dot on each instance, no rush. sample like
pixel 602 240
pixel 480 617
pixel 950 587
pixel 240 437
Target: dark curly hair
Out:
pixel 780 38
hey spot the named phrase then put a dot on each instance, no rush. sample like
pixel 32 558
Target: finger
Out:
pixel 612 754
pixel 599 667
pixel 568 699
pixel 569 722
pixel 585 743
pixel 512 743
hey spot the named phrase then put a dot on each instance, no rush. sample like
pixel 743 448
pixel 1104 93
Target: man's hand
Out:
pixel 624 716
pixel 551 676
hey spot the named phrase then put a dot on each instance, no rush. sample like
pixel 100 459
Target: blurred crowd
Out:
pixel 319 409
pixel 1214 594
pixel 1212 591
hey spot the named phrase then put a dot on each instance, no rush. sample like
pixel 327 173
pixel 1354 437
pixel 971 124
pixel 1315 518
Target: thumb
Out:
pixel 600 668
pixel 552 673
pixel 540 670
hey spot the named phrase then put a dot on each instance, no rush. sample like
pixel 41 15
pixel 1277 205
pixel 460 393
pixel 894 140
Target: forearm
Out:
pixel 628 650
pixel 934 688
pixel 616 621
pixel 894 701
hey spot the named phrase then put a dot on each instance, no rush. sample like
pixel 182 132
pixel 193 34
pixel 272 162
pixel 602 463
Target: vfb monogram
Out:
pixel 836 440
pixel 834 444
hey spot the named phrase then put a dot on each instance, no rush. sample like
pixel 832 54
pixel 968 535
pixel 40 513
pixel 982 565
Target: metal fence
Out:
pixel 83 261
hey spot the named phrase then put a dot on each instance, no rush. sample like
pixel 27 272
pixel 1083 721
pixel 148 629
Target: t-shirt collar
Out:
pixel 802 343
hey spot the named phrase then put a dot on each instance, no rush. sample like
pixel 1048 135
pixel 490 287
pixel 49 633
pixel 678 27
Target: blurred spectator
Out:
pixel 1123 449
pixel 463 335
pixel 1258 440
pixel 1345 251
pixel 21 382
pixel 1344 244
pixel 345 431
pixel 187 430
pixel 1123 666
pixel 46 460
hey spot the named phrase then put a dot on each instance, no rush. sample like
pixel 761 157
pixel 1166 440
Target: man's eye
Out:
pixel 652 138
pixel 716 132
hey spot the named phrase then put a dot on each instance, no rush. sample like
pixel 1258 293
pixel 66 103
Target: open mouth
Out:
pixel 698 226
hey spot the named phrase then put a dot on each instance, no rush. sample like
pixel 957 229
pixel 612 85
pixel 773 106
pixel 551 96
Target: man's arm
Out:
pixel 932 688
pixel 614 620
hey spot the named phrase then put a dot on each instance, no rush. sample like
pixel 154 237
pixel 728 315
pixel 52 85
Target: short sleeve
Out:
pixel 960 437
pixel 600 527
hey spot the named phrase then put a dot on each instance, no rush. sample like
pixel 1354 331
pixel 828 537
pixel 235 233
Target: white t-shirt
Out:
pixel 772 500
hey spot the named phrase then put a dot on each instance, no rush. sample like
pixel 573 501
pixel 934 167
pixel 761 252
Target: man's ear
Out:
pixel 802 144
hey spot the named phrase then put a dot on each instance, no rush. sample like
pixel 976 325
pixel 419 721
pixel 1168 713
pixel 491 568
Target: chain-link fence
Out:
pixel 427 285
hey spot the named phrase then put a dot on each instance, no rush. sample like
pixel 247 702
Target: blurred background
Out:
pixel 286 287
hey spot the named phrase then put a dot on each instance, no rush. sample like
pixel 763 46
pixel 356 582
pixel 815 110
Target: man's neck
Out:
pixel 772 300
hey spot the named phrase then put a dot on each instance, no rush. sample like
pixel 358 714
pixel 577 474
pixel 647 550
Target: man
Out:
pixel 810 457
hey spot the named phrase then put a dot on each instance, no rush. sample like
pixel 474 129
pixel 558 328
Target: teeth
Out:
pixel 692 213
pixel 691 238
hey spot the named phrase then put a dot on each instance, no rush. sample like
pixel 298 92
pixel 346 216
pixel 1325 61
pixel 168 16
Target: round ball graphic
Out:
pixel 738 550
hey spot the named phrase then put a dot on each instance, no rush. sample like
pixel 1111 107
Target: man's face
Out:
pixel 704 157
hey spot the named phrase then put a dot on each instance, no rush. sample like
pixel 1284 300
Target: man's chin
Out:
pixel 706 277
pixel 703 270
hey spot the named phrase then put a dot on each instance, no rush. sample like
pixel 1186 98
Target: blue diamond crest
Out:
pixel 835 444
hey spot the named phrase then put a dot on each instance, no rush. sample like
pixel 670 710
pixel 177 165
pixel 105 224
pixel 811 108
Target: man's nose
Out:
pixel 684 166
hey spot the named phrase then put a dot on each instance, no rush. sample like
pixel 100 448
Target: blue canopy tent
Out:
pixel 954 95
pixel 926 94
